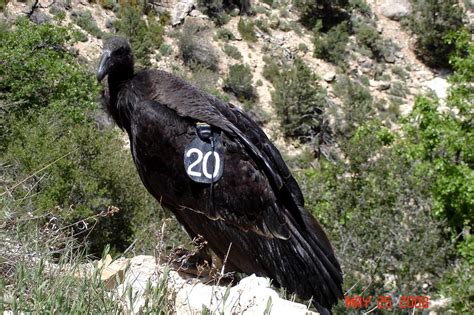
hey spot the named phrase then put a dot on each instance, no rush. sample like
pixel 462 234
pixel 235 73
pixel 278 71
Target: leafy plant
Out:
pixel 194 50
pixel 332 45
pixel 246 30
pixel 299 101
pixel 239 82
pixel 85 20
pixel 144 36
pixel 431 21
pixel 232 51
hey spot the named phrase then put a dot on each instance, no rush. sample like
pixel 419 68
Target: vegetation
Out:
pixel 330 12
pixel 232 51
pixel 144 35
pixel 332 45
pixel 56 163
pixel 299 102
pixel 396 206
pixel 239 82
pixel 195 51
pixel 247 30
pixel 85 20
pixel 431 22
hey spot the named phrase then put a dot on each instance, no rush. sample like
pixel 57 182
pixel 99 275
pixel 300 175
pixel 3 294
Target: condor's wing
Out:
pixel 282 210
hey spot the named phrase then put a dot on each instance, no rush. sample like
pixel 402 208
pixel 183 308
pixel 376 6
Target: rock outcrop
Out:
pixel 178 9
pixel 395 9
pixel 188 295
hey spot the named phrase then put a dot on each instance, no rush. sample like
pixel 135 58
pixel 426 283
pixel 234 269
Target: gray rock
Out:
pixel 395 9
pixel 39 17
pixel 180 10
pixel 329 76
pixel 190 296
pixel 380 85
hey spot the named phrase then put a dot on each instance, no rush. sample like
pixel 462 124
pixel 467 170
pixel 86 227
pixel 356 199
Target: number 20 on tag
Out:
pixel 202 163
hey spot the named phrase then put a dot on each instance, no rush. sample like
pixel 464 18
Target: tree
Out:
pixel 431 21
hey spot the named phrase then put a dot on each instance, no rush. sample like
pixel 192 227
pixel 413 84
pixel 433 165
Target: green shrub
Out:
pixel 375 206
pixel 194 50
pixel 331 46
pixel 232 51
pixel 431 21
pixel 51 145
pixel 225 34
pixel 85 20
pixel 299 101
pixel 367 36
pixel 263 25
pixel 330 12
pixel 239 82
pixel 271 70
pixel 166 50
pixel 246 30
pixel 357 105
pixel 144 36
pixel 400 72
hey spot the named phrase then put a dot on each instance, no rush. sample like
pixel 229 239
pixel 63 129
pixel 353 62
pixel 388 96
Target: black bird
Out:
pixel 254 212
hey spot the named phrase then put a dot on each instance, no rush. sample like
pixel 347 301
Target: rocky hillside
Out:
pixel 394 81
pixel 335 84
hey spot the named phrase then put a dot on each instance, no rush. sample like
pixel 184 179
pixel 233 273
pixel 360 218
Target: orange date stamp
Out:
pixel 386 302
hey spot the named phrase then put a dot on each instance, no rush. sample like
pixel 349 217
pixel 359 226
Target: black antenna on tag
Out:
pixel 204 132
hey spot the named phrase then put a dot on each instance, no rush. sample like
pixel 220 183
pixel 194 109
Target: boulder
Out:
pixel 178 9
pixel 189 295
pixel 395 9
pixel 439 86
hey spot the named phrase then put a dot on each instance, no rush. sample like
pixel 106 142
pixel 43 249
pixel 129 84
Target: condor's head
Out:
pixel 116 60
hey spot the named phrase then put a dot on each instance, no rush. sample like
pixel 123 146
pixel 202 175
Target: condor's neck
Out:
pixel 119 104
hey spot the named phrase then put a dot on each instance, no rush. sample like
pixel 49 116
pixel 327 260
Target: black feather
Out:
pixel 257 206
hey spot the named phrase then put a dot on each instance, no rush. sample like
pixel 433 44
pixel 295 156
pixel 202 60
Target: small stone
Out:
pixel 380 85
pixel 39 17
pixel 329 76
pixel 395 9
pixel 399 55
pixel 195 13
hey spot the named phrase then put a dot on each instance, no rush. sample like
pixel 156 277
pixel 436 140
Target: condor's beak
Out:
pixel 103 67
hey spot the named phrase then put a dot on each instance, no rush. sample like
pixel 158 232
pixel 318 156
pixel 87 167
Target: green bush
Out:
pixel 239 82
pixel 232 51
pixel 299 101
pixel 144 36
pixel 367 36
pixel 357 106
pixel 85 20
pixel 51 145
pixel 330 12
pixel 375 206
pixel 195 51
pixel 225 34
pixel 246 30
pixel 166 50
pixel 271 70
pixel 431 21
pixel 332 45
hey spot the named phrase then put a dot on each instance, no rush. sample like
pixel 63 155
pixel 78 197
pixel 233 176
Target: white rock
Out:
pixel 439 86
pixel 329 76
pixel 395 9
pixel 180 10
pixel 380 85
pixel 251 295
